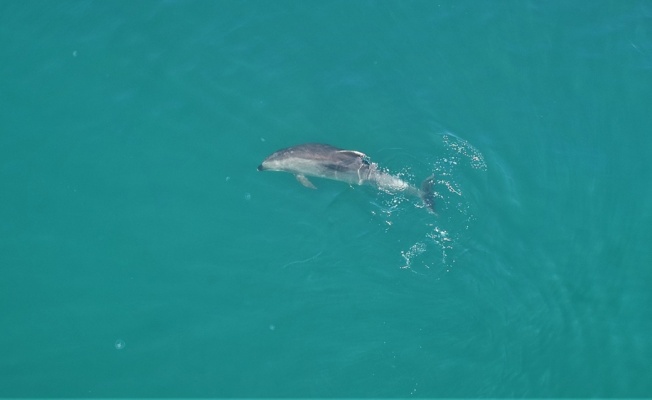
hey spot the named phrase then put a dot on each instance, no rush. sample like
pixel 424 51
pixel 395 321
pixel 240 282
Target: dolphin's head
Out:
pixel 269 164
pixel 279 161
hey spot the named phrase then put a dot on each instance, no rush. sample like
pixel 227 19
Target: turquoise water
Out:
pixel 143 255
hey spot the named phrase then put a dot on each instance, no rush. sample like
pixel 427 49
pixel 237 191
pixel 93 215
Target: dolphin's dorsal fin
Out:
pixel 304 181
pixel 354 152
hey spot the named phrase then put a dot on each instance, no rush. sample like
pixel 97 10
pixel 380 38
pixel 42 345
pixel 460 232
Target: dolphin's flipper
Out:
pixel 305 182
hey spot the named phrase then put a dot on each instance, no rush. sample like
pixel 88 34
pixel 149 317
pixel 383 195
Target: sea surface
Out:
pixel 143 255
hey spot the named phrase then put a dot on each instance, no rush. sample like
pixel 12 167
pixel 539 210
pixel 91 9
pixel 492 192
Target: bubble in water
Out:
pixel 247 196
pixel 415 250
pixel 464 149
pixel 119 344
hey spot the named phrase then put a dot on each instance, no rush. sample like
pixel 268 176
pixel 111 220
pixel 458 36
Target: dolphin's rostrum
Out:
pixel 350 166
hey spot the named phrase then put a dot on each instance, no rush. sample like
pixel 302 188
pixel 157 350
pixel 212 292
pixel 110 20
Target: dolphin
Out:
pixel 350 166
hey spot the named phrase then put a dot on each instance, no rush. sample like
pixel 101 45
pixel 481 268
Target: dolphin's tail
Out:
pixel 427 193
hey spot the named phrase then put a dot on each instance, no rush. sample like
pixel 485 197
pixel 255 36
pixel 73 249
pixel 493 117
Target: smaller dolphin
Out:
pixel 350 166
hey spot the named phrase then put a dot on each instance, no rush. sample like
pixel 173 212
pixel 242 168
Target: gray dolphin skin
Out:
pixel 350 166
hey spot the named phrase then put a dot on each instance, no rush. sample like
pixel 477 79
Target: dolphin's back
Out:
pixel 326 155
pixel 320 160
pixel 312 151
